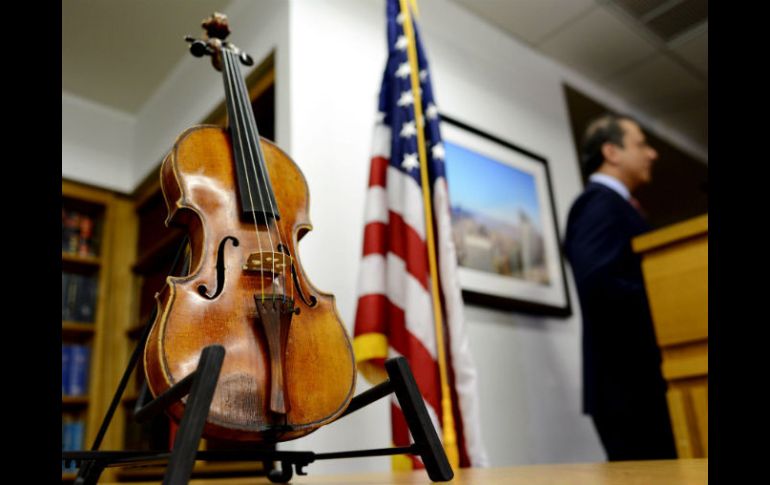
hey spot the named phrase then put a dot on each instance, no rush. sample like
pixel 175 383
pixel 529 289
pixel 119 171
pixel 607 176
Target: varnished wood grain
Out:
pixel 198 180
pixel 675 233
pixel 675 267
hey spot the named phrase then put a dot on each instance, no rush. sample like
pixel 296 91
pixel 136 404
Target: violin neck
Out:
pixel 257 199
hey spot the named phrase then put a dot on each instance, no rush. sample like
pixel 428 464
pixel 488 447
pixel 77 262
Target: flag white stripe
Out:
pixel 371 276
pixel 416 302
pixel 405 199
pixel 403 196
pixel 388 276
pixel 376 209
pixel 381 141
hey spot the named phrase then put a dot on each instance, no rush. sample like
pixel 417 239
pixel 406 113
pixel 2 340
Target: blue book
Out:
pixel 78 428
pixel 66 364
pixel 78 384
pixel 72 440
pixel 67 438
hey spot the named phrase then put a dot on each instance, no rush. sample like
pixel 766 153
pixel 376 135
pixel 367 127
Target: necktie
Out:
pixel 636 205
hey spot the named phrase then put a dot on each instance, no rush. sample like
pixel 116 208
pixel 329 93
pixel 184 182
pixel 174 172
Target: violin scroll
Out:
pixel 216 26
pixel 217 30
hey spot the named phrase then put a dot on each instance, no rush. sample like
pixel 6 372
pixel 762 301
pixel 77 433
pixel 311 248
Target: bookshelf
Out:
pixel 91 229
pixel 135 253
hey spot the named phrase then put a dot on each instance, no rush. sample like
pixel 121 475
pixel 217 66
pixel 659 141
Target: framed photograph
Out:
pixel 503 223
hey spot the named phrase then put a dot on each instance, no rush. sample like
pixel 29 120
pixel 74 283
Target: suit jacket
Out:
pixel 621 359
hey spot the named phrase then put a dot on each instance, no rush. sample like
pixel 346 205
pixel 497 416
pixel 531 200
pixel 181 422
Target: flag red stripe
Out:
pixel 400 239
pixel 372 314
pixel 375 313
pixel 375 238
pixel 423 366
pixel 407 245
pixel 378 172
pixel 401 433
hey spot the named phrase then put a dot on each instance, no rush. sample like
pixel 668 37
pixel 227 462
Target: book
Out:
pixel 85 238
pixel 73 434
pixel 65 310
pixel 85 302
pixel 70 231
pixel 71 295
pixel 66 364
pixel 78 385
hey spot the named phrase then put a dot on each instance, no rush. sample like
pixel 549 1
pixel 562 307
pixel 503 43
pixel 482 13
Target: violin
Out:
pixel 288 366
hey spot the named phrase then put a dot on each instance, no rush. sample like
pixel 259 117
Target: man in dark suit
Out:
pixel 623 388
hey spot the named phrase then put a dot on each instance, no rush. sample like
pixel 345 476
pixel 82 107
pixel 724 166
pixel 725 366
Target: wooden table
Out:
pixel 664 472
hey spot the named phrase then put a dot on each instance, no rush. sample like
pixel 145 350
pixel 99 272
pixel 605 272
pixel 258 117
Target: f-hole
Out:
pixel 313 300
pixel 202 290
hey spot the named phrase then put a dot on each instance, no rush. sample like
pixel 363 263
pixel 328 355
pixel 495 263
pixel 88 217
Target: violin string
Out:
pixel 261 159
pixel 234 123
pixel 241 113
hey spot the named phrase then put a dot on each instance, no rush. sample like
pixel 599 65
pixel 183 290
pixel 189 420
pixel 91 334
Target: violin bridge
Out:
pixel 267 261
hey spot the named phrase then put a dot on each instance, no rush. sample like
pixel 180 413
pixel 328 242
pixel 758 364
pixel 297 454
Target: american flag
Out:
pixel 394 316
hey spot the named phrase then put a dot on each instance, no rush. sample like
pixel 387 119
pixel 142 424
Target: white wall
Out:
pixel 96 144
pixel 330 55
pixel 337 58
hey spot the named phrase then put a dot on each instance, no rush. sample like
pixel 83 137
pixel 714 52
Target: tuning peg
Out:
pixel 246 59
pixel 198 48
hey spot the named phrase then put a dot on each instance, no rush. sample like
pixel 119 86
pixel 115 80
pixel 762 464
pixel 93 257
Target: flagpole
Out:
pixel 450 437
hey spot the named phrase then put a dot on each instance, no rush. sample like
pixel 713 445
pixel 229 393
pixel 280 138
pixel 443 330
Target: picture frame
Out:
pixel 503 223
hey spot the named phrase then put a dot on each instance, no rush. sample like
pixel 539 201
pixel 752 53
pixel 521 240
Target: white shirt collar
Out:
pixel 611 182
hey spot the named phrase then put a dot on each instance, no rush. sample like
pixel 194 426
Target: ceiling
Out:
pixel 653 53
pixel 106 46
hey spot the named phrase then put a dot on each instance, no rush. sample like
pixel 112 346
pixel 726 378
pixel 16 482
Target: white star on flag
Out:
pixel 410 161
pixel 380 117
pixel 403 70
pixel 401 43
pixel 438 151
pixel 423 75
pixel 406 98
pixel 400 18
pixel 431 112
pixel 408 129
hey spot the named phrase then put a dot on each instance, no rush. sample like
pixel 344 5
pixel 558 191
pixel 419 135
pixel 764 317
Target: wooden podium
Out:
pixel 675 266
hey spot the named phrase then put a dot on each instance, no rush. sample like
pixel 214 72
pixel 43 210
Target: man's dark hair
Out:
pixel 604 129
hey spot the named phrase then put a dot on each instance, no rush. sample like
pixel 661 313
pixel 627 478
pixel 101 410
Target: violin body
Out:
pixel 286 372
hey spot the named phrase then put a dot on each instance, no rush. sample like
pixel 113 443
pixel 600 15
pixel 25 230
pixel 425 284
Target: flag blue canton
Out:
pixel 396 104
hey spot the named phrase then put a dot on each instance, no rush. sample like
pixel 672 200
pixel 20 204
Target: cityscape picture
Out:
pixel 497 221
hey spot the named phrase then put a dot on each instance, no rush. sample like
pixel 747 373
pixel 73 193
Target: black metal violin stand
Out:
pixel 199 387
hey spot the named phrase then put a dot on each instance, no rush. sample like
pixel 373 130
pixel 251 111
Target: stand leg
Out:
pixel 86 469
pixel 283 475
pixel 423 432
pixel 188 437
pixel 90 473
